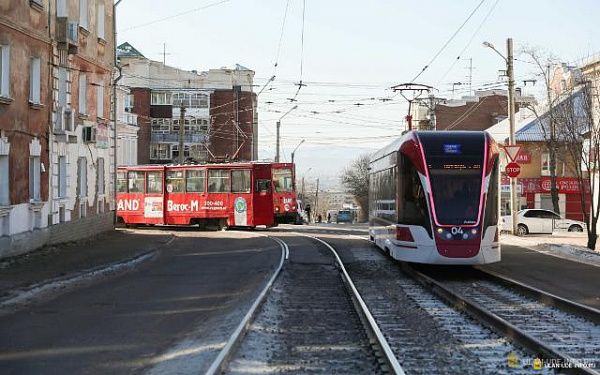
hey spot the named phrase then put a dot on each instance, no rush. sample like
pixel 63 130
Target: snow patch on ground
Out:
pixel 569 246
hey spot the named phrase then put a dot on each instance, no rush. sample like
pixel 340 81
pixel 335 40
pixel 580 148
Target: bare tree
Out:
pixel 544 62
pixel 355 179
pixel 581 131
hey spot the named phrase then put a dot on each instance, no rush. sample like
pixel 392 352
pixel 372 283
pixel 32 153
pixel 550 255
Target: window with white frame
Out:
pixel 160 98
pixel 175 151
pixel 61 8
pixel 62 86
pixel 159 151
pixel 34 178
pixel 4 71
pixel 100 177
pixel 100 100
pixel 128 103
pixel 62 176
pixel 82 93
pixel 4 181
pixel 100 20
pixel 35 80
pixel 82 177
pixel 545 164
pixel 83 14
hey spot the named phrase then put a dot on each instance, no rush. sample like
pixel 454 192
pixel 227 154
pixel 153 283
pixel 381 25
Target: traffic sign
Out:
pixel 512 169
pixel 512 151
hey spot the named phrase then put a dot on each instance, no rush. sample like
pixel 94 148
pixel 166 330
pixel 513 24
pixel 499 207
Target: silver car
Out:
pixel 535 220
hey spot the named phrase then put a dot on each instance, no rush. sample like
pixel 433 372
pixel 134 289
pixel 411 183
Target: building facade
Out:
pixel 56 142
pixel 127 128
pixel 217 109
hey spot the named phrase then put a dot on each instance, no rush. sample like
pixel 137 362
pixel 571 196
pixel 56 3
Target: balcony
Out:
pixel 128 118
pixel 174 138
pixel 67 35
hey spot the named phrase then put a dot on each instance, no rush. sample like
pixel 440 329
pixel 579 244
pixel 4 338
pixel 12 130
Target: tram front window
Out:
pixel 456 194
pixel 282 180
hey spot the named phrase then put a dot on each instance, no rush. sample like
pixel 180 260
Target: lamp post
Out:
pixel 294 152
pixel 294 166
pixel 277 133
pixel 511 119
pixel 114 108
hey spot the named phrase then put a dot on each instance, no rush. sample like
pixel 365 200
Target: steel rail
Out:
pixel 492 320
pixel 365 315
pixel 236 337
pixel 546 298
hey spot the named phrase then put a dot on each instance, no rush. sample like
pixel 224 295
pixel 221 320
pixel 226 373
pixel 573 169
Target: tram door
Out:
pixel 154 197
pixel 263 195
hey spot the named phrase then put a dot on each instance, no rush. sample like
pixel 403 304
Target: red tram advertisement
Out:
pixel 218 195
pixel 284 193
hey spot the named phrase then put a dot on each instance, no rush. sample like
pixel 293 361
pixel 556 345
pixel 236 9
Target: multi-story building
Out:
pixel 127 128
pixel 55 146
pixel 219 110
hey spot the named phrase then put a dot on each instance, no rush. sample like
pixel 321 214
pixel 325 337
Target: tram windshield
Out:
pixel 282 180
pixel 455 172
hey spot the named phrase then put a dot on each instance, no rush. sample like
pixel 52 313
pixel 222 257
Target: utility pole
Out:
pixel 317 199
pixel 303 188
pixel 511 119
pixel 277 133
pixel 181 132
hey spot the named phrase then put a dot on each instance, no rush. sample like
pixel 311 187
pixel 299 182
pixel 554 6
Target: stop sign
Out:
pixel 512 169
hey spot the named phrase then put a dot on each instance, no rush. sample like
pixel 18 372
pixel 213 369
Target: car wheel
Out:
pixel 522 230
pixel 575 228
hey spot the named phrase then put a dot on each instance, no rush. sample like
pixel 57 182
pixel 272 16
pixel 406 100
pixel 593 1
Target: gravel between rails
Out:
pixel 307 324
pixel 427 336
pixel 570 334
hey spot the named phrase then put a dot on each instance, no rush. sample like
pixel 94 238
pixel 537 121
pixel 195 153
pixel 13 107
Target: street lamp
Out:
pixel 511 118
pixel 277 134
pixel 294 152
pixel 293 166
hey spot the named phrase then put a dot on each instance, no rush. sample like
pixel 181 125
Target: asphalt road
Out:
pixel 191 295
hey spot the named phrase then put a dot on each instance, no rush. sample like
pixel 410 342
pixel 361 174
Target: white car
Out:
pixel 536 220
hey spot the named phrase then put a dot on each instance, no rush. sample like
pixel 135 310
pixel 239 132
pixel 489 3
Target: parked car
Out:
pixel 536 220
pixel 344 216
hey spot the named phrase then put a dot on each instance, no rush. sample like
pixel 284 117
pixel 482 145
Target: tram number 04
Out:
pixel 456 230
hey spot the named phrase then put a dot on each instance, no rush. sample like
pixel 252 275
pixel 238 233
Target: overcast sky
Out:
pixel 353 51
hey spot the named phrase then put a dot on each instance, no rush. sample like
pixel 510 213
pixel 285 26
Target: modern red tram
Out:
pixel 434 198
pixel 232 195
pixel 284 193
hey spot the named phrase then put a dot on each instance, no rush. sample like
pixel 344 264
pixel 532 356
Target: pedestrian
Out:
pixel 319 218
pixel 329 217
pixel 307 210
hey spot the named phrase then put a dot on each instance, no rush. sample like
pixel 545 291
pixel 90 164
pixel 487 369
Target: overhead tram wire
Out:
pixel 300 84
pixel 276 63
pixel 447 42
pixel 489 13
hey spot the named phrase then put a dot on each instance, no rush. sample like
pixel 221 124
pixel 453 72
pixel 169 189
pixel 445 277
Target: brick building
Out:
pixel 55 156
pixel 220 109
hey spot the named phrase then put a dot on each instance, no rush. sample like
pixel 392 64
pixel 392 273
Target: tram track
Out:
pixel 312 320
pixel 564 334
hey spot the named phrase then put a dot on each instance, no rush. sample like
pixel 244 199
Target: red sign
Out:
pixel 523 157
pixel 512 169
pixel 566 185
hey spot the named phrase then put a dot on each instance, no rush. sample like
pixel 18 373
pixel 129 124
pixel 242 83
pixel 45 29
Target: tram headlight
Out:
pixel 473 231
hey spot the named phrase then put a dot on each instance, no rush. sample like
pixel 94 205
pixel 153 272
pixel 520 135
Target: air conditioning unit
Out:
pixel 88 134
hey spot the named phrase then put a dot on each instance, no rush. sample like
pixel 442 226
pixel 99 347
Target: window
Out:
pixel 533 213
pixel 175 151
pixel 100 177
pixel 34 178
pixel 62 176
pixel 82 177
pixel 100 100
pixel 159 151
pixel 240 181
pixel 218 181
pixel 62 86
pixel 175 181
pixel 4 71
pixel 491 203
pixel 181 98
pixel 100 20
pixel 128 103
pixel 195 180
pixel 154 182
pixel 282 180
pixel 136 182
pixel 198 101
pixel 35 80
pixel 82 93
pixel 121 182
pixel 160 98
pixel 83 14
pixel 263 186
pixel 412 207
pixel 61 8
pixel 4 181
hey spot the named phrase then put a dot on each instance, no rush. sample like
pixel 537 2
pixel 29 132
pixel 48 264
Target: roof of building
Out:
pixel 127 50
pixel 538 130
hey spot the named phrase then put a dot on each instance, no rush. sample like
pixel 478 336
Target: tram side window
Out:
pixel 154 182
pixel 218 181
pixel 240 181
pixel 136 182
pixel 195 180
pixel 121 182
pixel 385 194
pixel 413 207
pixel 175 181
pixel 491 200
pixel 263 186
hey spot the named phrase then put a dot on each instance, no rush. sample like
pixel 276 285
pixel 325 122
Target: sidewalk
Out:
pixel 566 245
pixel 59 261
